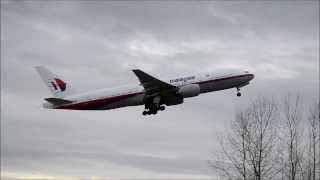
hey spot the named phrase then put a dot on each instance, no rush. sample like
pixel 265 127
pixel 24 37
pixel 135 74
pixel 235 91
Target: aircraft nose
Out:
pixel 251 76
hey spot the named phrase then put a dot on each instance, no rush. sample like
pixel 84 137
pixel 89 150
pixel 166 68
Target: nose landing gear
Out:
pixel 238 92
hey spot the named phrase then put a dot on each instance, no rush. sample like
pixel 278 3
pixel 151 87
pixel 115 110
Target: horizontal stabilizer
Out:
pixel 57 101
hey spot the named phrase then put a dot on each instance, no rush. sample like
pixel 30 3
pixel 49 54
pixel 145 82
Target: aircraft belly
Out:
pixel 129 101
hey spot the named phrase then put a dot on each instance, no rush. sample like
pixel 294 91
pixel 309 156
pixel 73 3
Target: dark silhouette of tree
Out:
pixel 249 147
pixel 292 136
pixel 267 141
pixel 314 139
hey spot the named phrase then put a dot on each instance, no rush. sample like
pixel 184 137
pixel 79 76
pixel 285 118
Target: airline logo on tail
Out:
pixel 58 84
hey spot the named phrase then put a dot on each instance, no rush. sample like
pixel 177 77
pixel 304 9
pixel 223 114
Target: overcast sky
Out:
pixel 97 44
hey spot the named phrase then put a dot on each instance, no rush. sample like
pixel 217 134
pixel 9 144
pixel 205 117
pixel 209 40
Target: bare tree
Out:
pixel 314 135
pixel 250 146
pixel 262 138
pixel 293 140
pixel 233 147
pixel 317 113
pixel 257 148
pixel 308 162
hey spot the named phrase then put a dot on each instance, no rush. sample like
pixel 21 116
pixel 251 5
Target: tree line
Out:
pixel 271 140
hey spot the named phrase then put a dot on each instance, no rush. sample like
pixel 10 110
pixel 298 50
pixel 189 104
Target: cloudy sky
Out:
pixel 96 44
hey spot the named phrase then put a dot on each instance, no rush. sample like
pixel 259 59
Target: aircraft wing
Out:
pixel 151 84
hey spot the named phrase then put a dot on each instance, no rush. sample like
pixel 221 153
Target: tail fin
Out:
pixel 57 86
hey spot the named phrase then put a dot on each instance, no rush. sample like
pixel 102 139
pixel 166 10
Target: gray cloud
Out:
pixel 96 44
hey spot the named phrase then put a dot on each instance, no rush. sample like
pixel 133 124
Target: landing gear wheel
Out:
pixel 162 108
pixel 145 113
pixel 154 112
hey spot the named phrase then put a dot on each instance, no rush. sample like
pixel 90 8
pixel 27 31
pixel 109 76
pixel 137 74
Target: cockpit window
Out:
pixel 246 71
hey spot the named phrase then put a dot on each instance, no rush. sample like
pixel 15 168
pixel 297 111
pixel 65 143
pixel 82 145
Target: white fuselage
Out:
pixel 135 95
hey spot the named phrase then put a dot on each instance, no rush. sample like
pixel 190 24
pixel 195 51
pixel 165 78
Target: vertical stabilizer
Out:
pixel 57 86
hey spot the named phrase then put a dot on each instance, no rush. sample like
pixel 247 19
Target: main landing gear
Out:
pixel 153 109
pixel 153 106
pixel 238 92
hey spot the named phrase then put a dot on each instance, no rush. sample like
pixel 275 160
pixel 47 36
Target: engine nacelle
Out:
pixel 189 90
pixel 174 101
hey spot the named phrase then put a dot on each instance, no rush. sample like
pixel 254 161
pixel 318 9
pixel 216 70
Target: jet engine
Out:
pixel 174 101
pixel 189 90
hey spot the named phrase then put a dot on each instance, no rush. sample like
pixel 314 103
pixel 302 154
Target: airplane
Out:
pixel 153 93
